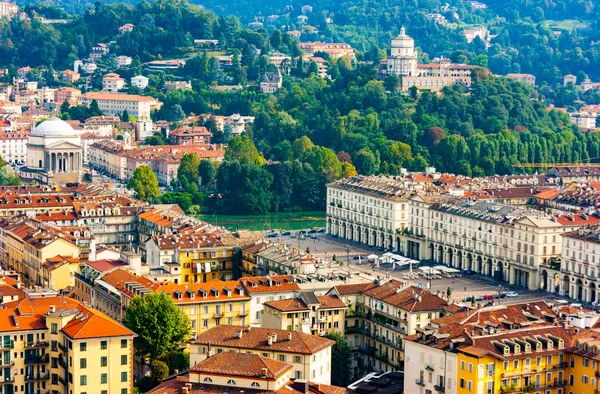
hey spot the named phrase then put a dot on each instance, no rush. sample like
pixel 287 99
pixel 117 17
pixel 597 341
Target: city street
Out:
pixel 325 246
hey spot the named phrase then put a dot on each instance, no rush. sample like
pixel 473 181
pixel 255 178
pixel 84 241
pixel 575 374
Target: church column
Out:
pixel 59 159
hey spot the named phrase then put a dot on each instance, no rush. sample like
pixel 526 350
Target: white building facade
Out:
pixel 369 210
pixel 403 57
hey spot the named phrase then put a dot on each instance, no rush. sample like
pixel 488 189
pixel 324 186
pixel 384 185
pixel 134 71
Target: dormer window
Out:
pixel 538 346
pixel 506 350
pixel 190 293
pixel 527 348
pixel 215 292
pixel 277 283
pixel 550 344
pixel 254 284
pixel 517 349
pixel 203 293
pixel 561 343
pixel 178 294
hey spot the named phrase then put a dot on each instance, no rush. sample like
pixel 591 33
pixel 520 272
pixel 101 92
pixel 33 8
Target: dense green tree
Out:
pixel 144 183
pixel 160 325
pixel 187 173
pixel 342 360
pixel 206 172
pixel 242 149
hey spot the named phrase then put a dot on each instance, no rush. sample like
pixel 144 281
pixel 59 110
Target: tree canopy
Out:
pixel 145 183
pixel 160 325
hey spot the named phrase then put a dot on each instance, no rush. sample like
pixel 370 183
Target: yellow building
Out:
pixel 307 313
pixel 506 349
pixel 193 255
pixel 206 305
pixel 211 304
pixel 56 344
pixel 58 272
pixel 29 246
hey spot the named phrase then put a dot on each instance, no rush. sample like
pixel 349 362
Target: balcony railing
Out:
pixel 31 345
pixel 439 388
pixel 63 347
pixel 420 382
pixel 39 376
pixel 6 345
pixel 37 359
pixel 218 315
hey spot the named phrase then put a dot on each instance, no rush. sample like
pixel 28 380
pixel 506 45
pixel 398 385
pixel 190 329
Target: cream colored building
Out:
pixel 54 153
pixel 265 289
pixel 505 242
pixel 306 312
pixel 112 82
pixel 580 265
pixel 403 57
pixel 368 210
pixel 55 344
pixel 309 355
pixel 13 147
pixel 115 103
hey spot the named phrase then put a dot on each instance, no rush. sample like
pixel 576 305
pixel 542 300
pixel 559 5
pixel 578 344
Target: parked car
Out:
pixel 302 232
pixel 312 231
pixel 512 294
pixel 286 233
pixel 467 299
pixel 313 236
pixel 293 236
pixel 478 298
pixel 272 235
pixel 488 297
pixel 356 257
pixel 469 272
pixel 321 230
pixel 500 295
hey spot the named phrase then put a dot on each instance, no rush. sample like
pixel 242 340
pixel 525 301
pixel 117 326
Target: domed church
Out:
pixel 403 59
pixel 54 153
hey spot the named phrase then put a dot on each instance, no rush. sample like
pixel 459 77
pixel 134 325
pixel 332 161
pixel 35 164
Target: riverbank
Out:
pixel 280 220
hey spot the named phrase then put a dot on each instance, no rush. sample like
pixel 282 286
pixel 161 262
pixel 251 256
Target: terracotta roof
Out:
pixel 260 284
pixel 410 299
pixel 57 261
pixel 297 304
pixel 116 97
pixel 119 278
pixel 106 264
pixel 352 288
pixel 30 314
pixel 175 386
pixel 256 338
pixel 211 291
pixel 186 131
pixel 242 364
pixel 577 220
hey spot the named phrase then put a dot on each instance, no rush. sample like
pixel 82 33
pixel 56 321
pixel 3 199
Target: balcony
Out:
pixel 305 321
pixel 556 383
pixel 218 315
pixel 439 388
pixel 243 313
pixel 323 319
pixel 7 345
pixel 43 359
pixel 39 376
pixel 420 382
pixel 429 368
pixel 33 345
pixel 62 381
pixel 63 347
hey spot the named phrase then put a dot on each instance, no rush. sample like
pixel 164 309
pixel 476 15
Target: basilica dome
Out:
pixel 53 127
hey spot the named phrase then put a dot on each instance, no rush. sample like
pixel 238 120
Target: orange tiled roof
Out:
pixel 211 291
pixel 261 284
pixel 242 364
pixel 257 338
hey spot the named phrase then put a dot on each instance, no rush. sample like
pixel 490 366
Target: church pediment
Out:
pixel 63 145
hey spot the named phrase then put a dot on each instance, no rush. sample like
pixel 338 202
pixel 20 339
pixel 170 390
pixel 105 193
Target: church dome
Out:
pixel 402 40
pixel 53 127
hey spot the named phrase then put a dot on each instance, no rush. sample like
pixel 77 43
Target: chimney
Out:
pixel 270 340
pixel 241 333
pixel 289 336
pixel 263 372
pixel 275 337
pixel 185 390
pixel 52 308
pixel 301 385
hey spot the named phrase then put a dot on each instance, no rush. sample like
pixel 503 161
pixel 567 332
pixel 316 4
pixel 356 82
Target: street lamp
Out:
pixel 216 214
pixel 348 249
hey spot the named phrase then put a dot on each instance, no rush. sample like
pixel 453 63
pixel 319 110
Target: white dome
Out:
pixel 53 127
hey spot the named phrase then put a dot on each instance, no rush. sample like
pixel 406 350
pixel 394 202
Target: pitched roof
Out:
pixel 257 338
pixel 242 364
pixel 264 284
pixel 30 314
pixel 411 298
pixel 297 304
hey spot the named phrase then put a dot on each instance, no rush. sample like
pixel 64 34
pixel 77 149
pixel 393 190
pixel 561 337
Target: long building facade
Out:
pixel 367 210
